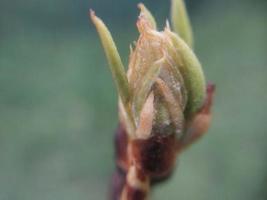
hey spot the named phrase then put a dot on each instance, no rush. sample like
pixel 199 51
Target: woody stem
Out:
pixel 137 185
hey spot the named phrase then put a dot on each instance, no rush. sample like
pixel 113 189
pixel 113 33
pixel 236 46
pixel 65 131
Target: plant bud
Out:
pixel 163 103
pixel 163 66
pixel 164 85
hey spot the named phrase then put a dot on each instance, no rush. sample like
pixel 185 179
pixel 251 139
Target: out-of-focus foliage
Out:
pixel 58 103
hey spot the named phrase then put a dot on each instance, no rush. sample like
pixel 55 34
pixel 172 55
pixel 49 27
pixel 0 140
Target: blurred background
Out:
pixel 58 104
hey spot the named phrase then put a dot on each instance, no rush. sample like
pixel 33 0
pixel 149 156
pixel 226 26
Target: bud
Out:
pixel 163 106
pixel 163 66
pixel 165 84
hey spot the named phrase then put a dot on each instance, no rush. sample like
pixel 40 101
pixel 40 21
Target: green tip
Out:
pixel 115 63
pixel 181 22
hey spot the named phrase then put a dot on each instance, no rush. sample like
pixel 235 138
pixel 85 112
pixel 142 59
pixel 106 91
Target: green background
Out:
pixel 58 104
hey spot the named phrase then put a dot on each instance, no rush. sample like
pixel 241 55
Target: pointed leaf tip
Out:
pixel 148 15
pixel 181 22
pixel 91 13
pixel 115 63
